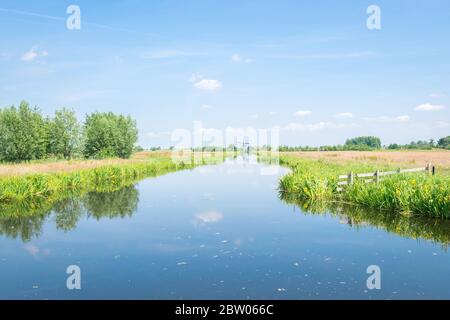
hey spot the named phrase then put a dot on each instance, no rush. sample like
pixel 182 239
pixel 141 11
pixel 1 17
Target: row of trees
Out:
pixel 443 143
pixel 354 144
pixel 364 142
pixel 26 135
pixel 413 145
pixel 338 147
pixel 373 143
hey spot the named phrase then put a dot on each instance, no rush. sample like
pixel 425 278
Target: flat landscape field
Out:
pixel 59 166
pixel 403 159
pixel 56 166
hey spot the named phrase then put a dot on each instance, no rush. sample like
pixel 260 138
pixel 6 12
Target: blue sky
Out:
pixel 312 68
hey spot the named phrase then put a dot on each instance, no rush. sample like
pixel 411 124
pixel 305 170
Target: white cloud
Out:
pixel 344 115
pixel 294 126
pixel 207 107
pixel 318 126
pixel 273 113
pixel 238 58
pixel 437 95
pixel 195 77
pixel 35 251
pixel 209 217
pixel 334 56
pixel 254 116
pixel 29 55
pixel 158 134
pixel 442 124
pixel 303 113
pixel 208 85
pixel 31 249
pixel 404 118
pixel 33 54
pixel 386 119
pixel 429 107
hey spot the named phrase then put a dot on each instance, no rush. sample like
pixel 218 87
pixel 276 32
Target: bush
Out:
pixel 23 134
pixel 444 142
pixel 64 134
pixel 369 142
pixel 109 135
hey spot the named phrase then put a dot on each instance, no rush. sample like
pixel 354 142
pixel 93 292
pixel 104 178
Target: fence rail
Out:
pixel 376 176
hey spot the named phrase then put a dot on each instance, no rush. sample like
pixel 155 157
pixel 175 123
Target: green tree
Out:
pixel 64 134
pixel 444 142
pixel 23 133
pixel 364 142
pixel 394 146
pixel 109 135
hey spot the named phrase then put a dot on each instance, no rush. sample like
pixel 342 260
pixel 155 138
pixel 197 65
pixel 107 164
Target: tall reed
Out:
pixel 316 180
pixel 40 190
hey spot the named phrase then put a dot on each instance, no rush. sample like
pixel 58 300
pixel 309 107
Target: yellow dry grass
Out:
pixel 403 159
pixel 55 166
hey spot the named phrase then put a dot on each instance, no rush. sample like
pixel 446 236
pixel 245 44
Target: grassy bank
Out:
pixel 316 180
pixel 377 158
pixel 37 190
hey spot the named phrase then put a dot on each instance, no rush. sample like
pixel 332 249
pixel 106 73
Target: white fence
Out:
pixel 376 176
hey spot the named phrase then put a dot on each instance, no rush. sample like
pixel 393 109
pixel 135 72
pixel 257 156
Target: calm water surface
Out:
pixel 217 232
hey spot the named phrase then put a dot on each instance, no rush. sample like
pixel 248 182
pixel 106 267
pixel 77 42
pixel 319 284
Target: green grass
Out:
pixel 37 192
pixel 317 180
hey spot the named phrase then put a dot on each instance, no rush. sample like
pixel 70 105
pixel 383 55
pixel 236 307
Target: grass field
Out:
pixel 60 166
pixel 393 159
pixel 33 187
pixel 51 166
pixel 314 177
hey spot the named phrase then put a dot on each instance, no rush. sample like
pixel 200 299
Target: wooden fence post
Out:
pixel 377 176
pixel 351 178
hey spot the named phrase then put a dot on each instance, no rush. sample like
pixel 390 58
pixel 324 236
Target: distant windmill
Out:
pixel 244 143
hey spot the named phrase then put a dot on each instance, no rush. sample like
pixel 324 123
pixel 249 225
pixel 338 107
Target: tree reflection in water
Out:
pixel 120 203
pixel 26 220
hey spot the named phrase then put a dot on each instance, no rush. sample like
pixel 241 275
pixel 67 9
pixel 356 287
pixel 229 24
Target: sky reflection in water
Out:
pixel 219 232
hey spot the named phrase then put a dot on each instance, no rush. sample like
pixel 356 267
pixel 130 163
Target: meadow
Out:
pixel 35 186
pixel 314 177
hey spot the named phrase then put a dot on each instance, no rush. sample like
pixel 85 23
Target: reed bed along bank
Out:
pixel 64 166
pixel 317 180
pixel 40 190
